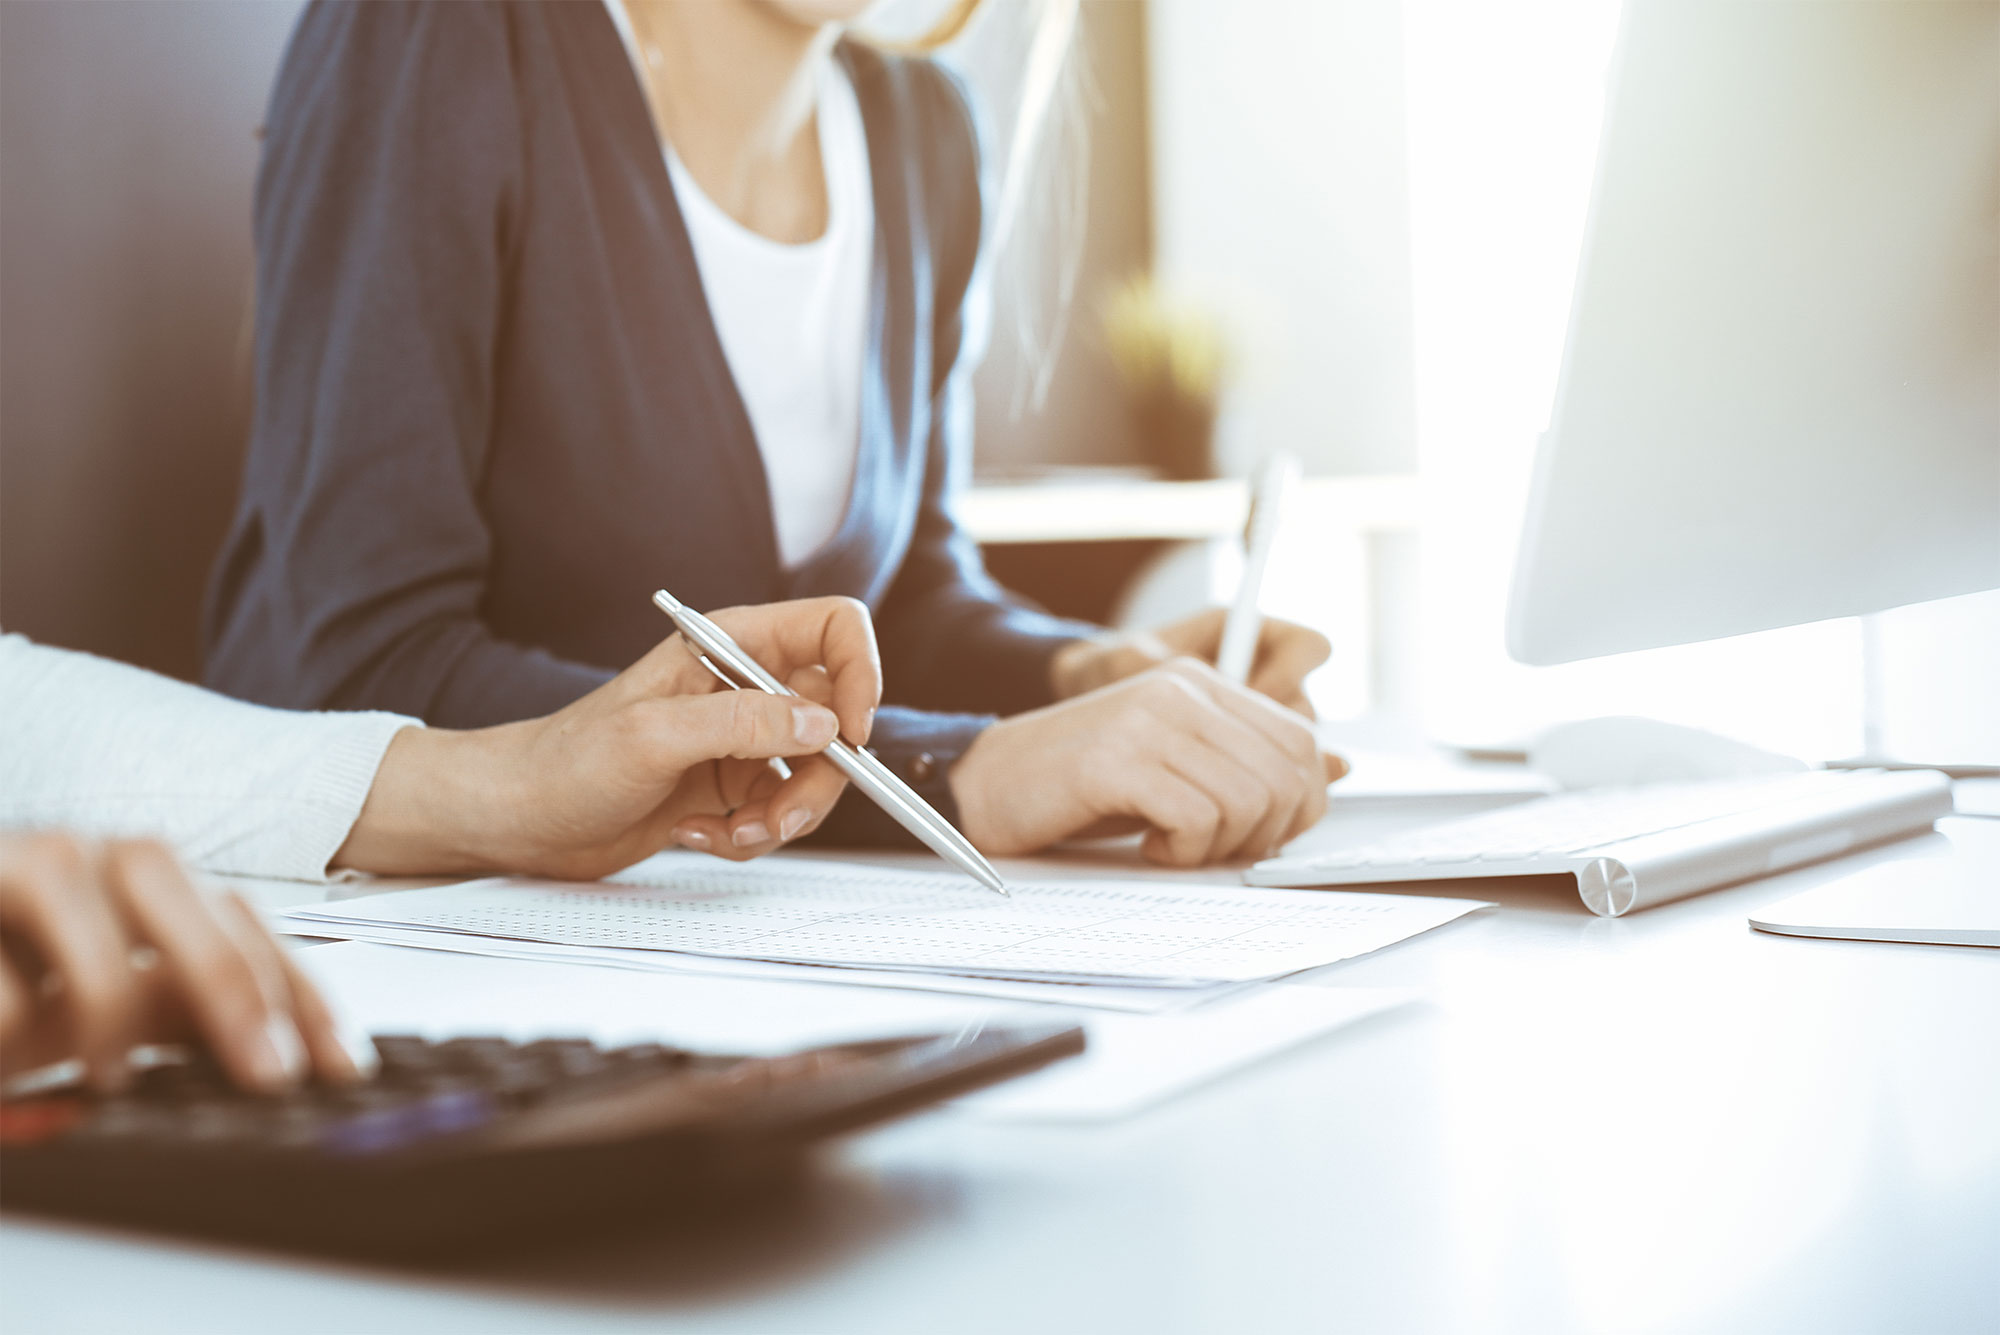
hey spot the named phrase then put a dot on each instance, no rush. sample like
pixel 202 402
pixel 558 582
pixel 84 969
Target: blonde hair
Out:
pixel 948 28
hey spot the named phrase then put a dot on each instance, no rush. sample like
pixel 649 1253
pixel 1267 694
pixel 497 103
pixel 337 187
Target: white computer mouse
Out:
pixel 1605 752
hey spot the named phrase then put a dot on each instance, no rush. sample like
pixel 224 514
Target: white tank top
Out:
pixel 793 320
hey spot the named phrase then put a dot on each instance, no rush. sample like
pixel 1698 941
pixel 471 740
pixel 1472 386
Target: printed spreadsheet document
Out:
pixel 802 911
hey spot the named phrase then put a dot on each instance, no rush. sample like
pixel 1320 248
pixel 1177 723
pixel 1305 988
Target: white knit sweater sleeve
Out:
pixel 101 748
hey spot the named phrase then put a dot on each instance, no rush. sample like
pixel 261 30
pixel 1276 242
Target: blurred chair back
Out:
pixel 127 154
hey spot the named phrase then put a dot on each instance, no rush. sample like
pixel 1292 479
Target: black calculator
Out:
pixel 464 1144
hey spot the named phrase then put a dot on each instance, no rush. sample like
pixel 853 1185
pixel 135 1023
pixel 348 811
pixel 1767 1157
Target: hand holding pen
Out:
pixel 747 805
pixel 735 667
pixel 656 756
pixel 1271 656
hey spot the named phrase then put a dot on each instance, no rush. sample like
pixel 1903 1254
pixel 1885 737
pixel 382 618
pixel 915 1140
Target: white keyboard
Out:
pixel 1634 847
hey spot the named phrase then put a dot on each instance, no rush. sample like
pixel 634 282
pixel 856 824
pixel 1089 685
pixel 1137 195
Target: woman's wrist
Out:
pixel 1084 665
pixel 966 781
pixel 438 805
pixel 1066 666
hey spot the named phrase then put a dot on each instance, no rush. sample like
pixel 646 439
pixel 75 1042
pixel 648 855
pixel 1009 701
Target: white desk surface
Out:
pixel 1662 1123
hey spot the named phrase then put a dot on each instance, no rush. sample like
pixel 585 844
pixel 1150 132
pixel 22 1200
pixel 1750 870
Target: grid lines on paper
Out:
pixel 860 916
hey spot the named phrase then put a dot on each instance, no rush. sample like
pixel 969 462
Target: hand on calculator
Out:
pixel 105 947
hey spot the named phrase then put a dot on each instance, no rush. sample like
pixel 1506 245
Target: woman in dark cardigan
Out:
pixel 494 411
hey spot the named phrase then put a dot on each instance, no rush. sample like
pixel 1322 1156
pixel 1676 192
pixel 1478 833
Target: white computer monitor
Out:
pixel 1780 394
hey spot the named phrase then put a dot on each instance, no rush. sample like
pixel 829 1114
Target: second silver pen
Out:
pixel 903 804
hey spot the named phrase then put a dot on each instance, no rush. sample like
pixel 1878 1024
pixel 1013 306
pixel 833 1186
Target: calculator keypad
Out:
pixel 423 1091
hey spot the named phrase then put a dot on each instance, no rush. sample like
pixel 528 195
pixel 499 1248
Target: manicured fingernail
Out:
pixel 813 727
pixel 360 1049
pixel 750 832
pixel 279 1054
pixel 694 839
pixel 267 1068
pixel 794 821
pixel 868 726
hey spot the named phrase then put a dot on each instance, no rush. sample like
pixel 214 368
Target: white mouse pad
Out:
pixel 1951 901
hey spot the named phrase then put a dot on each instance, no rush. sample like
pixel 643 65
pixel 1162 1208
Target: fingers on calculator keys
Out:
pixel 336 1052
pixel 423 1090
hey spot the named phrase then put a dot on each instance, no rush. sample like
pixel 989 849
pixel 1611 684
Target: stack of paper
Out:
pixel 1151 1000
pixel 920 927
pixel 751 958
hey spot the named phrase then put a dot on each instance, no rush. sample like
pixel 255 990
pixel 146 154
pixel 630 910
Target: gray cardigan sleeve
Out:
pixel 355 571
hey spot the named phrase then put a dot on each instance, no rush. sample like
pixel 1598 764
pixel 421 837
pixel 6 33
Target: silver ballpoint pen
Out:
pixel 735 668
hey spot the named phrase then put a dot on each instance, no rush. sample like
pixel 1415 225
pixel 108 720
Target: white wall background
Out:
pixel 1280 195
pixel 1282 131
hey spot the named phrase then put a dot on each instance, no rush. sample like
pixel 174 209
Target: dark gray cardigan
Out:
pixel 493 413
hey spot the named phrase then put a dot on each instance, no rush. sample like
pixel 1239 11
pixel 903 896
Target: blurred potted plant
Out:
pixel 1173 358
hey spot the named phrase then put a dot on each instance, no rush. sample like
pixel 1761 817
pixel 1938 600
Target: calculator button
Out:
pixel 651 1054
pixel 30 1123
pixel 373 1132
pixel 568 1057
pixel 129 1119
pixel 404 1052
pixel 444 1114
pixel 218 1121
pixel 473 1053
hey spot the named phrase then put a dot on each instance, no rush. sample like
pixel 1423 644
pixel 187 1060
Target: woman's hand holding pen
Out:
pixel 1286 654
pixel 662 754
pixel 1211 770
